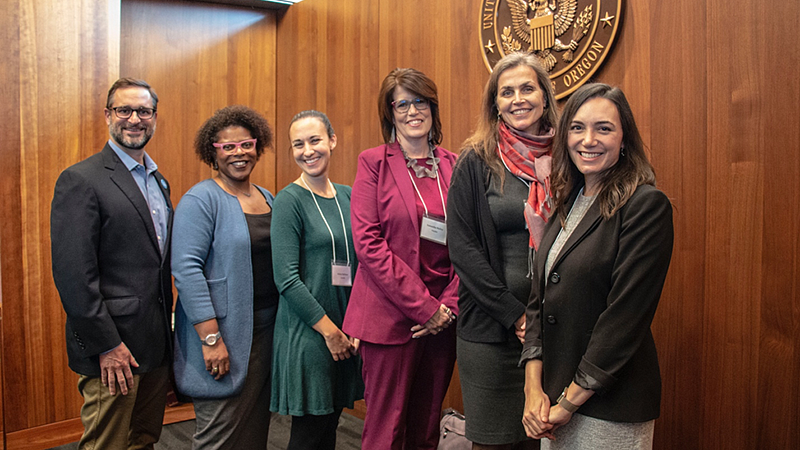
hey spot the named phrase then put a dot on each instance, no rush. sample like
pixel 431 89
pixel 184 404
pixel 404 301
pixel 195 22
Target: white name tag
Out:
pixel 433 229
pixel 340 274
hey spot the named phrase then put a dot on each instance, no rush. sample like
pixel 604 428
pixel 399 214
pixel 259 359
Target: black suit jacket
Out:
pixel 593 316
pixel 114 283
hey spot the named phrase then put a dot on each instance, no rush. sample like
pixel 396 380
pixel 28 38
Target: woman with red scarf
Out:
pixel 497 207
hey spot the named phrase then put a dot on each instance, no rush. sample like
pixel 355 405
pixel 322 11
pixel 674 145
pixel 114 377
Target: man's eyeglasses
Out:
pixel 230 147
pixel 125 112
pixel 402 106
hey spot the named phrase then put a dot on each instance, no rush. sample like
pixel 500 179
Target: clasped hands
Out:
pixel 540 419
pixel 339 344
pixel 441 319
pixel 342 346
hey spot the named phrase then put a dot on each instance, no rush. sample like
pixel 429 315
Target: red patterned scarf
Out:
pixel 528 157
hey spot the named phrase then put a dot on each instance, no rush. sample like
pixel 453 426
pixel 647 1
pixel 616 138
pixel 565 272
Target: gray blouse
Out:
pixel 579 208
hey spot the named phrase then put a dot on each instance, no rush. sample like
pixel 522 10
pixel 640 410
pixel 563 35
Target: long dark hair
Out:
pixel 618 183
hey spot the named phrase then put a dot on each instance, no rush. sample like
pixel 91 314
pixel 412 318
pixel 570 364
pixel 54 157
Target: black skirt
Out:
pixel 492 386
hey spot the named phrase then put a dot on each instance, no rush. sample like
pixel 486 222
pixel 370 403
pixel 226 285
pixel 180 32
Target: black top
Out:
pixel 508 214
pixel 487 307
pixel 265 293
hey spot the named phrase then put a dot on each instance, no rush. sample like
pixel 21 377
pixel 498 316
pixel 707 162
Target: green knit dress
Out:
pixel 305 378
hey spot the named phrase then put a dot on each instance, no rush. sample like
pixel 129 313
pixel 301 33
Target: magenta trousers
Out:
pixel 404 386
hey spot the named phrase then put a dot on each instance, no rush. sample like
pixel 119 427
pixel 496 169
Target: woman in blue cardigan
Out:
pixel 225 315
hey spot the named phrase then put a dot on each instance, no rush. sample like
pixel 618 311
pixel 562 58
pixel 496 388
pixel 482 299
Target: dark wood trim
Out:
pixel 66 431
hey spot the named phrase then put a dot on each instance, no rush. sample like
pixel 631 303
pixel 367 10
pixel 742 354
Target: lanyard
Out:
pixel 344 229
pixel 438 184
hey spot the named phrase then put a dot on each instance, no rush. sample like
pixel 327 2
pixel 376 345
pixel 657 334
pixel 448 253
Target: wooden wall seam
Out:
pixel 9 129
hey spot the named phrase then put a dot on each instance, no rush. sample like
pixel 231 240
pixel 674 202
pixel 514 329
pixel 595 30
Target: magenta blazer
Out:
pixel 388 296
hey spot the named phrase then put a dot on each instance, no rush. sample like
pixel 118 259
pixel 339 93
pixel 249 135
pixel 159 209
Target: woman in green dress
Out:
pixel 316 370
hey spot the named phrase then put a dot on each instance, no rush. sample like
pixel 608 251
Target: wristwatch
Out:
pixel 566 404
pixel 212 339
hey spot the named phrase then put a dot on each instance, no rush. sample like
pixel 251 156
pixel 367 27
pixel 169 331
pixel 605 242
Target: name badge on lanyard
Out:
pixel 341 274
pixel 434 229
pixel 340 271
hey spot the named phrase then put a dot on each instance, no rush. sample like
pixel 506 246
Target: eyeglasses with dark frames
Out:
pixel 125 112
pixel 402 106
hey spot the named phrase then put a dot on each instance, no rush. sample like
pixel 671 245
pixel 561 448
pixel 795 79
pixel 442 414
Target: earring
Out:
pixel 622 151
pixel 430 135
pixel 392 137
pixel 214 165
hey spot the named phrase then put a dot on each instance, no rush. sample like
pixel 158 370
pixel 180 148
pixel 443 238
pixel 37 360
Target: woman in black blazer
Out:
pixel 592 376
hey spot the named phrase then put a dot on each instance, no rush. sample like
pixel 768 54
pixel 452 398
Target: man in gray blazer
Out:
pixel 109 226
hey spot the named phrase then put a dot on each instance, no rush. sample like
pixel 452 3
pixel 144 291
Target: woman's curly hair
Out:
pixel 236 115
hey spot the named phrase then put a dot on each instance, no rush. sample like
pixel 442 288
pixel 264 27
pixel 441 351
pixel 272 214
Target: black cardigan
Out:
pixel 487 307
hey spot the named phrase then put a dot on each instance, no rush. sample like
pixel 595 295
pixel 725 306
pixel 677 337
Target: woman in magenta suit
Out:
pixel 404 299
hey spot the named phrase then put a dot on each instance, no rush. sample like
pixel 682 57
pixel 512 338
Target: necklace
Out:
pixel 246 194
pixel 422 171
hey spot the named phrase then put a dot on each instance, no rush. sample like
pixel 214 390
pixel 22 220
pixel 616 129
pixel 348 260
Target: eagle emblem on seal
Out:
pixel 571 38
pixel 541 24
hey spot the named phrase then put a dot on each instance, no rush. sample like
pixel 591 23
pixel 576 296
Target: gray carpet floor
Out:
pixel 178 436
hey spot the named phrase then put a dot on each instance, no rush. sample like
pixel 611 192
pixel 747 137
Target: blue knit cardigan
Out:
pixel 213 271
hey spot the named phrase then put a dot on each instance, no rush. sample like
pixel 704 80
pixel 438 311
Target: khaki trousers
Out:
pixel 130 421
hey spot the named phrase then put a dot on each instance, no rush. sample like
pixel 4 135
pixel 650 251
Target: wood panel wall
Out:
pixel 751 337
pixel 713 85
pixel 9 129
pixel 58 60
pixel 199 57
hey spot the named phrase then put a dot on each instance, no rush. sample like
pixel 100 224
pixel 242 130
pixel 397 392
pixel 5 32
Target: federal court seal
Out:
pixel 571 37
